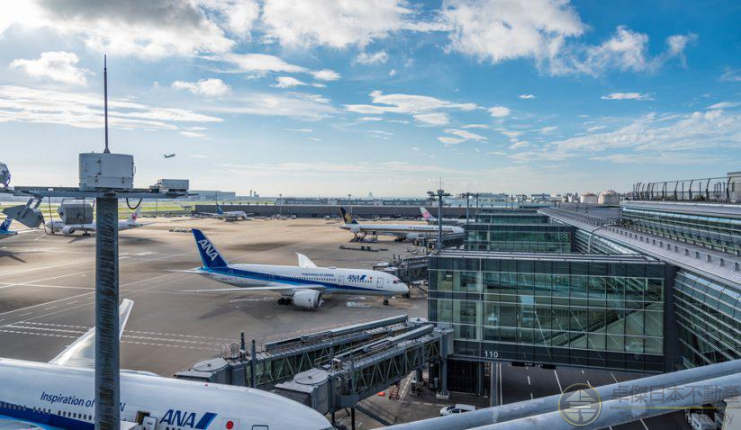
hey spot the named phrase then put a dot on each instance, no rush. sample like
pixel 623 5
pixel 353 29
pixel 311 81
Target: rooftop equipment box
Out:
pixel 107 171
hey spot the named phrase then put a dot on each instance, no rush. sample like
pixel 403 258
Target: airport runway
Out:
pixel 47 290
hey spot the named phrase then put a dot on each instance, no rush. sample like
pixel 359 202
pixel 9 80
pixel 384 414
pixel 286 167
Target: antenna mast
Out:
pixel 105 102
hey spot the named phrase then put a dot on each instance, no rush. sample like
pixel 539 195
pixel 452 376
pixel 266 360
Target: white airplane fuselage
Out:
pixel 64 397
pixel 333 280
pixel 408 231
pixel 58 226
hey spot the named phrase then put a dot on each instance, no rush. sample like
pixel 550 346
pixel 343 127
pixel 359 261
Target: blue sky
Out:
pixel 384 96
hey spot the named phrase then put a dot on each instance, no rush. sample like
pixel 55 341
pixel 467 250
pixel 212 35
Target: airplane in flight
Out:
pixel 127 224
pixel 60 394
pixel 228 215
pixel 303 285
pixel 400 231
pixel 168 155
pixel 431 219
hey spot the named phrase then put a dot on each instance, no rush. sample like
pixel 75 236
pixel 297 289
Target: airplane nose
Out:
pixel 404 288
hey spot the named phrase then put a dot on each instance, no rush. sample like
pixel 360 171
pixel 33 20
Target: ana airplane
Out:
pixel 5 231
pixel 61 395
pixel 431 219
pixel 128 224
pixel 227 215
pixel 303 285
pixel 168 155
pixel 400 231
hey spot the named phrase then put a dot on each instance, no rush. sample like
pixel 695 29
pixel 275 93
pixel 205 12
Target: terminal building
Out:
pixel 650 286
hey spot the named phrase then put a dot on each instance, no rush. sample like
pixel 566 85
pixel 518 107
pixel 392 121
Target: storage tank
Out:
pixel 609 198
pixel 588 198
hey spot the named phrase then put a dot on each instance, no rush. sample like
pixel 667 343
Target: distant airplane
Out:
pixel 431 219
pixel 168 155
pixel 302 285
pixel 400 231
pixel 61 395
pixel 128 224
pixel 227 215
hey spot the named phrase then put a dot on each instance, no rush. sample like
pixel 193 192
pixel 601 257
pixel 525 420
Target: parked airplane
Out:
pixel 61 395
pixel 5 231
pixel 168 155
pixel 227 215
pixel 302 285
pixel 400 231
pixel 431 219
pixel 128 224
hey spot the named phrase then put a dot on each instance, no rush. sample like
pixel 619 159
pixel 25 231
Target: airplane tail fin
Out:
pixel 5 226
pixel 134 215
pixel 219 211
pixel 347 217
pixel 427 215
pixel 209 254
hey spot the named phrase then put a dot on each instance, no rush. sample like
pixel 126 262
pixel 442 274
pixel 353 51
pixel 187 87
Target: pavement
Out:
pixel 47 290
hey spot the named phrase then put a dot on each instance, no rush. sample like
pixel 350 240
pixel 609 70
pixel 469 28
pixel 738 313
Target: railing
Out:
pixel 719 190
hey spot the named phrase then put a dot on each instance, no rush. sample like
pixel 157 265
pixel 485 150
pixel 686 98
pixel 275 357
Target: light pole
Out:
pixel 439 194
pixel 467 195
pixel 349 201
pixel 280 205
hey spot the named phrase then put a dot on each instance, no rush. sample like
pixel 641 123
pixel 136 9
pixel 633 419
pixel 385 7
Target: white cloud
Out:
pixel 548 130
pixel 392 73
pixel 433 118
pixel 301 130
pixel 519 145
pixel 295 105
pixel 499 111
pixel 467 135
pixel 378 57
pixel 626 50
pixel 204 87
pixel 288 82
pixel 499 30
pixel 627 96
pixel 193 134
pixel 596 128
pixel 149 29
pixel 482 126
pixel 447 140
pixel 332 23
pixel 22 104
pixel 724 105
pixel 326 75
pixel 56 66
pixel 731 75
pixel 370 118
pixel 424 109
pixel 526 96
pixel 236 16
pixel 513 135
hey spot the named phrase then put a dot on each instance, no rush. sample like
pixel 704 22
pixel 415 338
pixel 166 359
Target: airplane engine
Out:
pixel 308 299
pixel 355 230
pixel 68 229
pixel 413 236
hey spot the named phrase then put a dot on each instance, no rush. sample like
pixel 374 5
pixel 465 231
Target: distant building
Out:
pixel 212 195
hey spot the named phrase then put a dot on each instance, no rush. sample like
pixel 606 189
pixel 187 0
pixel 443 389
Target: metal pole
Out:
pixel 107 359
pixel 468 205
pixel 253 364
pixel 527 408
pixel 105 105
pixel 352 419
pixel 440 194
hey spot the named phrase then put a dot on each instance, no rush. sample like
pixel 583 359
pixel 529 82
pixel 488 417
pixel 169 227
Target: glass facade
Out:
pixel 519 237
pixel 518 218
pixel 588 311
pixel 708 318
pixel 719 233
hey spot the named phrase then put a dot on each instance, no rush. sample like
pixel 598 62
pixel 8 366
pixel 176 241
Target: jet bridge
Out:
pixel 333 369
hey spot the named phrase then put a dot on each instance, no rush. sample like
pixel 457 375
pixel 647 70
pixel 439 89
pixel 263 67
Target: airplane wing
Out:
pixel 303 261
pixel 81 353
pixel 277 288
pixel 10 423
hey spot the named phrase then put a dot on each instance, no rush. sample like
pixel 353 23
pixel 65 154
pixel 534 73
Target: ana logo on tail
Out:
pixel 208 249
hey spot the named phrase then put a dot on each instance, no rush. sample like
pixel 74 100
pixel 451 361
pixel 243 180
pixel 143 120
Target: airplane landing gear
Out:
pixel 284 301
pixel 385 302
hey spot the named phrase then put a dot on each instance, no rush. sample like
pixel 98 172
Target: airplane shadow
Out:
pixel 12 256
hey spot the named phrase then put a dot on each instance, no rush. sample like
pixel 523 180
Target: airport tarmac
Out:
pixel 47 290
